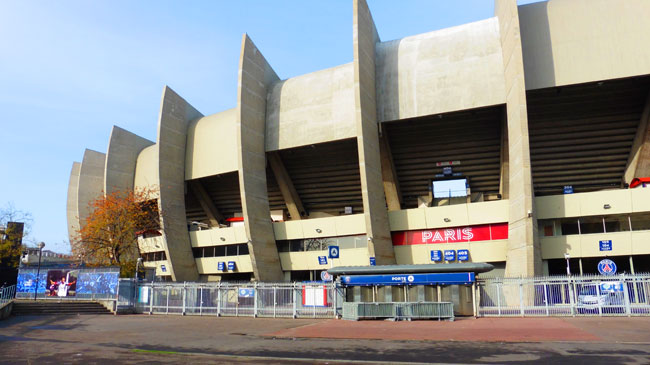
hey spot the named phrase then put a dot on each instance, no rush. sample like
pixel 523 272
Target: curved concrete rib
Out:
pixel 121 157
pixel 72 207
pixel 91 182
pixel 175 116
pixel 255 79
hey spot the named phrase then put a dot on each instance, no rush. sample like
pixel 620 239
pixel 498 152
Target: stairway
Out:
pixel 51 307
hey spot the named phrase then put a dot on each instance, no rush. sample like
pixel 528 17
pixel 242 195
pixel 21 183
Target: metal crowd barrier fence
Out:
pixel 7 294
pixel 293 300
pixel 398 310
pixel 587 295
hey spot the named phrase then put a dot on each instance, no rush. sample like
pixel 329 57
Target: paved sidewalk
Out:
pixel 588 329
pixel 160 339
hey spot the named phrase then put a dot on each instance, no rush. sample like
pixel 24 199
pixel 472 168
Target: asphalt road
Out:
pixel 142 339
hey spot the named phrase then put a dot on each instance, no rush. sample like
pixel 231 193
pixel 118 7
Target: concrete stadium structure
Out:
pixel 543 108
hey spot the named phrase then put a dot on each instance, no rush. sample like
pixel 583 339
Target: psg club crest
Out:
pixel 607 267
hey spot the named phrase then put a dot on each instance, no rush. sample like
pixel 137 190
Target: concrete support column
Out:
pixel 524 255
pixel 638 162
pixel 255 78
pixel 175 116
pixel 374 205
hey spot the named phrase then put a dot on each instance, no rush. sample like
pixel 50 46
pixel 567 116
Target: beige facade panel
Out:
pixel 587 245
pixel 458 215
pixel 218 236
pixel 485 251
pixel 345 225
pixel 146 168
pixel 211 145
pixel 91 182
pixel 151 244
pixel 175 116
pixel 309 260
pixel 577 41
pixel 255 78
pixel 606 202
pixel 121 158
pixel 365 40
pixel 72 206
pixel 210 265
pixel 158 265
pixel 447 70
pixel 313 108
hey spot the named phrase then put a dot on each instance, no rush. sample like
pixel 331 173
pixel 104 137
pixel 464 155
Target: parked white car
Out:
pixel 608 295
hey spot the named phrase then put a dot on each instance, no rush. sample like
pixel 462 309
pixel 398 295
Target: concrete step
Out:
pixel 44 307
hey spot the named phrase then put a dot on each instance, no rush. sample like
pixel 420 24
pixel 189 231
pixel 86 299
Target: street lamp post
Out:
pixel 38 271
pixel 137 265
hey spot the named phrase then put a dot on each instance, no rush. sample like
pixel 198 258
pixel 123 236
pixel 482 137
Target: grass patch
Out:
pixel 155 351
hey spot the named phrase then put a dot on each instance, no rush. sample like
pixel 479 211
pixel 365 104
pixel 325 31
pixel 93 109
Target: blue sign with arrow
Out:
pixel 322 260
pixel 436 255
pixel 373 261
pixel 333 252
pixel 232 265
pixel 221 266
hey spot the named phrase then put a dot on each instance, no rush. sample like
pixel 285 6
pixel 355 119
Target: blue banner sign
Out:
pixel 612 286
pixel 463 255
pixel 232 265
pixel 221 266
pixel 409 279
pixel 373 261
pixel 568 189
pixel 606 245
pixel 322 260
pixel 436 255
pixel 607 267
pixel 450 255
pixel 246 293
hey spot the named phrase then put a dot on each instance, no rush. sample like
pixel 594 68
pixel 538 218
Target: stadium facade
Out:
pixel 510 140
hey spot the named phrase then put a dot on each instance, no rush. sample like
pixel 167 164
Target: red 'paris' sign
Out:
pixel 485 232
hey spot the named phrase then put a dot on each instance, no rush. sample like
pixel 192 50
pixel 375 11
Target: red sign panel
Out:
pixel 485 232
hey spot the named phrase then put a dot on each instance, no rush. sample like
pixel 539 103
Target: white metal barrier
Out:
pixel 293 300
pixel 7 294
pixel 594 295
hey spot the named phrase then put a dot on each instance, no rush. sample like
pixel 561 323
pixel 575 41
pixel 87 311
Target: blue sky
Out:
pixel 70 70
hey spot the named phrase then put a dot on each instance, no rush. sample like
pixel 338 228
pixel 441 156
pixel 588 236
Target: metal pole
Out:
pixel 184 297
pixel 38 271
pixel 201 302
pixel 474 299
pixel 275 299
pixel 167 311
pixel 498 299
pixel 546 298
pixel 521 297
pixel 293 294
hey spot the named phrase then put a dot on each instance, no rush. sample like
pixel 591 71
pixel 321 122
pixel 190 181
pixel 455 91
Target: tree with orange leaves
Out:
pixel 108 236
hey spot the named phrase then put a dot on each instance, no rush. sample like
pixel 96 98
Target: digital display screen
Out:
pixel 450 188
